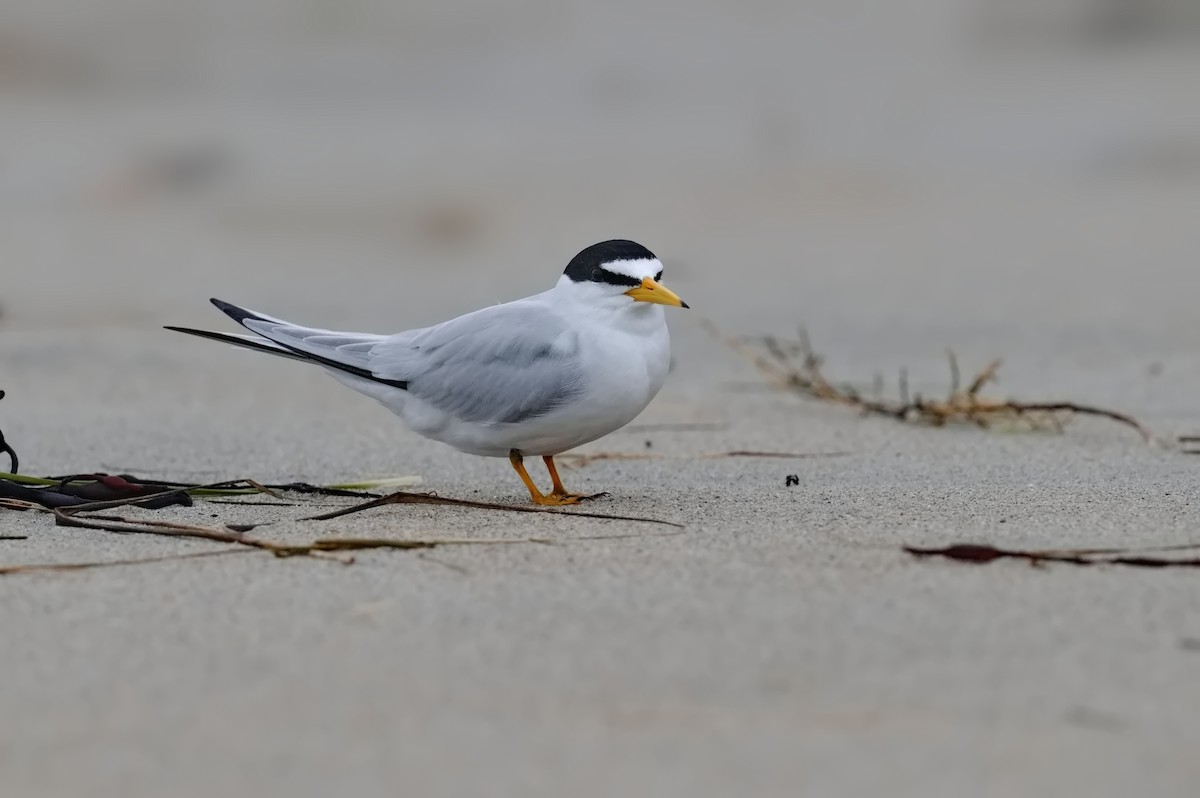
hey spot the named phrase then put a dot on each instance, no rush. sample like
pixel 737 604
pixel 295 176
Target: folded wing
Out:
pixel 503 364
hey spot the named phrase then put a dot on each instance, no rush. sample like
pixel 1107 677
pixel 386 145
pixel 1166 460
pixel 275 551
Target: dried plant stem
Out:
pixel 85 516
pixel 981 554
pixel 404 497
pixel 5 448
pixel 581 460
pixel 795 366
pixel 317 548
pixel 83 566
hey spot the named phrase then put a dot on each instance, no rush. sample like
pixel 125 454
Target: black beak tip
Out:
pixel 684 305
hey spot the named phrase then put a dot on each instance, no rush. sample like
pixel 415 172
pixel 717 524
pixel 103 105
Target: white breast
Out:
pixel 624 365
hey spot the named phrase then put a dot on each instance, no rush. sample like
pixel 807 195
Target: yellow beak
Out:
pixel 651 291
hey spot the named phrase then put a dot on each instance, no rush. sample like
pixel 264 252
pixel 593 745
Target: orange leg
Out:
pixel 556 497
pixel 553 499
pixel 559 490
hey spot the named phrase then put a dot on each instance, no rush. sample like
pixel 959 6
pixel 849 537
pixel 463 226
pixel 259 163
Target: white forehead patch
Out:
pixel 636 268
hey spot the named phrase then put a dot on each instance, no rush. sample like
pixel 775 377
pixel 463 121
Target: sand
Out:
pixel 781 643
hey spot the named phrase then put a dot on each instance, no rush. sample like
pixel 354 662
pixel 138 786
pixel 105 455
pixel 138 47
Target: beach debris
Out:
pixel 5 448
pixel 796 367
pixel 403 497
pixel 584 459
pixel 78 489
pixel 1190 444
pixel 94 515
pixel 85 500
pixel 86 488
pixel 981 554
pixel 791 480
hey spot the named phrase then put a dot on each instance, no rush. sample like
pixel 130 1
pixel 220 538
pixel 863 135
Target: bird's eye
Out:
pixel 597 273
pixel 658 276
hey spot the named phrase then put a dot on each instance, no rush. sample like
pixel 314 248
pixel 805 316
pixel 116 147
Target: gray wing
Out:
pixel 502 364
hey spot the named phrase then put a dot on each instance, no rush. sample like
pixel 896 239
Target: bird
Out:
pixel 532 377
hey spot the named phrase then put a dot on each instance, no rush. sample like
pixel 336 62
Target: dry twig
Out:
pixel 981 554
pixel 1190 444
pixel 87 516
pixel 7 449
pixel 795 366
pixel 581 460
pixel 84 566
pixel 404 497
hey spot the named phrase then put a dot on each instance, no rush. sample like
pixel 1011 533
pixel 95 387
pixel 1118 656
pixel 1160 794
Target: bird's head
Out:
pixel 619 273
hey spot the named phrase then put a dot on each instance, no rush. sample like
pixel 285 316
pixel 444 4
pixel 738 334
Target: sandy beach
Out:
pixel 780 642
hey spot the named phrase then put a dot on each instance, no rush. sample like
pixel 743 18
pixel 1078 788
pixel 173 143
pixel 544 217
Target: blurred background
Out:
pixel 1003 176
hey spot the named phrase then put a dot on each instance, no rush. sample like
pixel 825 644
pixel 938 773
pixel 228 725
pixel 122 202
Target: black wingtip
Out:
pixel 232 311
pixel 237 340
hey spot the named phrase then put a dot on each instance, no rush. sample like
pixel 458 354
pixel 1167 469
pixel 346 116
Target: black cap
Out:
pixel 588 265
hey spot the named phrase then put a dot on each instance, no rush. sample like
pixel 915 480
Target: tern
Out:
pixel 533 377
